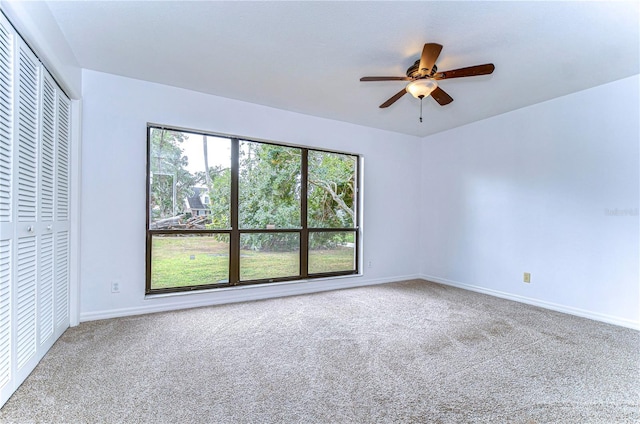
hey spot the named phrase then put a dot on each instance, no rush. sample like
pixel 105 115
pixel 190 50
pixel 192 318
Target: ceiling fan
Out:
pixel 423 75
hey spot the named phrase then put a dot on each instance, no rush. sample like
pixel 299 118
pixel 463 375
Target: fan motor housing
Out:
pixel 414 71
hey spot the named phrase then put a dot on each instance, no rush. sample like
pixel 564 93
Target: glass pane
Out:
pixel 269 186
pixel 190 181
pixel 331 190
pixel 332 252
pixel 189 260
pixel 271 255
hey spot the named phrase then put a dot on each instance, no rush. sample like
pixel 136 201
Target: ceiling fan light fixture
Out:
pixel 422 87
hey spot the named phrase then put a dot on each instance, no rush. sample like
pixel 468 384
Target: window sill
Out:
pixel 248 287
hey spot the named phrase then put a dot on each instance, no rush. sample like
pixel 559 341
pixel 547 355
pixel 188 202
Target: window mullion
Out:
pixel 234 241
pixel 304 233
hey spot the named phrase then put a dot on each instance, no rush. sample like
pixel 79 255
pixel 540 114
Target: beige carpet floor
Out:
pixel 414 352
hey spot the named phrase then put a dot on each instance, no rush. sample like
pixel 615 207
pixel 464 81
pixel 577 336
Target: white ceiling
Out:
pixel 308 57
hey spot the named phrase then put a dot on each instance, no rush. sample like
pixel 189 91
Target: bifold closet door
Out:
pixel 6 206
pixel 26 229
pixel 62 224
pixel 53 214
pixel 34 210
pixel 46 253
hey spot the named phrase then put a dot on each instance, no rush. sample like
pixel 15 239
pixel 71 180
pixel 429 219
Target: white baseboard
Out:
pixel 238 294
pixel 622 322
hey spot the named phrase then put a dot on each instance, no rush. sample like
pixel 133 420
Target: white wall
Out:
pixel 115 113
pixel 533 190
pixel 527 191
pixel 36 24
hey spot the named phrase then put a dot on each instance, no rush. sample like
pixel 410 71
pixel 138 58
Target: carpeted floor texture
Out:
pixel 409 352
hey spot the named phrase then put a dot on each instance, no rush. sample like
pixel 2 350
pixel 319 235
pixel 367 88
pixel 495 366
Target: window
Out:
pixel 226 211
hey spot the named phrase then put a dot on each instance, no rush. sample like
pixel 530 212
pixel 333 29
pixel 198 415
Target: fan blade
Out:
pixel 430 54
pixel 471 71
pixel 394 98
pixel 440 96
pixel 385 79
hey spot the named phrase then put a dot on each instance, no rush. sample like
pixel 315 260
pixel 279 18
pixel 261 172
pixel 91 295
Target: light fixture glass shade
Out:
pixel 422 87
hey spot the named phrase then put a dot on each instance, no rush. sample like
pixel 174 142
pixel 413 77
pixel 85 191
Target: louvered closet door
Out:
pixel 26 174
pixel 35 146
pixel 6 202
pixel 62 203
pixel 46 254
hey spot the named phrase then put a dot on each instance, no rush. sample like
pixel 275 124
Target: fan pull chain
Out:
pixel 422 97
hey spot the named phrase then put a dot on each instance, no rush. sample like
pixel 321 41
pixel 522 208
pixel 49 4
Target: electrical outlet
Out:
pixel 527 277
pixel 369 264
pixel 115 286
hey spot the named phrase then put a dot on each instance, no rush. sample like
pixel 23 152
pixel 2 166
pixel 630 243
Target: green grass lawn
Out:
pixel 193 261
pixel 188 261
pixel 331 260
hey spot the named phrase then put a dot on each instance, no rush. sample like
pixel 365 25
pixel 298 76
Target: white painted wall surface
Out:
pixel 536 190
pixel 115 113
pixel 36 24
